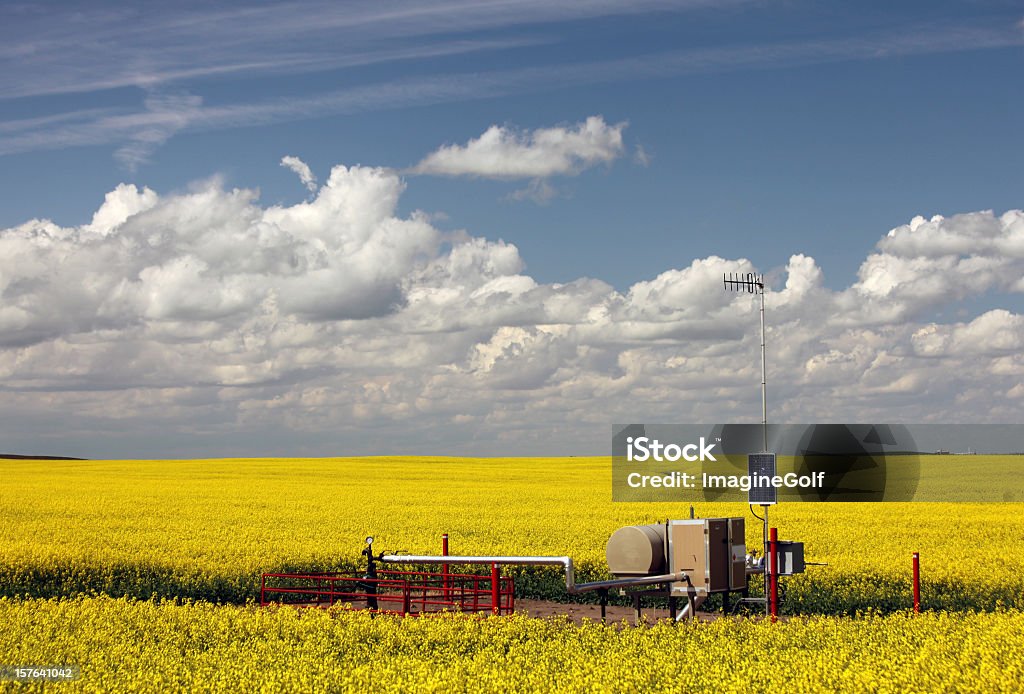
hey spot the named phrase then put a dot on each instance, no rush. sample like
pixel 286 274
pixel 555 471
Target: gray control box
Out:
pixel 790 557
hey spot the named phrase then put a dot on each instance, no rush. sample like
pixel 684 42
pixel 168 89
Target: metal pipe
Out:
pixel 565 562
pixel 627 582
pixel 693 601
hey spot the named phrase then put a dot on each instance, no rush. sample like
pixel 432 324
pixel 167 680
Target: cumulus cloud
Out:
pixel 212 255
pixel 990 334
pixel 207 323
pixel 505 153
pixel 302 170
pixel 924 264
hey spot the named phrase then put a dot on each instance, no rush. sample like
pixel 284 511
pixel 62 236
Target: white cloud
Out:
pixel 110 47
pixel 118 205
pixel 538 190
pixel 925 264
pixel 160 51
pixel 504 153
pixel 992 333
pixel 212 255
pixel 205 319
pixel 302 170
pixel 165 115
pixel 641 157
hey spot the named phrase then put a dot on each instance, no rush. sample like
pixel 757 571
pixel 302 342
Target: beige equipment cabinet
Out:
pixel 712 552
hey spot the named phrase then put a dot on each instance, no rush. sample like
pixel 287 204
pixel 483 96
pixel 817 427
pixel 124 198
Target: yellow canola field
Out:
pixel 144 646
pixel 206 529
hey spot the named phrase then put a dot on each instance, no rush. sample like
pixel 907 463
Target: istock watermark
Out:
pixel 641 449
pixel 818 462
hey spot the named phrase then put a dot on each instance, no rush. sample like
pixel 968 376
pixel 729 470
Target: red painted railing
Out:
pixel 393 592
pixel 773 571
pixel 917 582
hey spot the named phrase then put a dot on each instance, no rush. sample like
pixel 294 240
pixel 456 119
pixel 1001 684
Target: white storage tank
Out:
pixel 637 550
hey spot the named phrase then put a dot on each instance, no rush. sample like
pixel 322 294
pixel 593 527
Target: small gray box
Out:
pixel 790 557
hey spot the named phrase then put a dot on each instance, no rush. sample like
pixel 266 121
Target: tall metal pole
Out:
pixel 755 283
pixel 764 394
pixel 764 441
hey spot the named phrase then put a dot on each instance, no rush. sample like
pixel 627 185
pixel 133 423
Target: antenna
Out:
pixel 765 462
pixel 753 284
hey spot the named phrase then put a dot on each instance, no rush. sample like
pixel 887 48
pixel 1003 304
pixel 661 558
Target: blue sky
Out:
pixel 738 130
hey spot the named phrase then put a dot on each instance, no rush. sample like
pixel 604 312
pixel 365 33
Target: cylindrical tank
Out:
pixel 637 550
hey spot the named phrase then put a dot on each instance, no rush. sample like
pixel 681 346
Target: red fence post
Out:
pixel 917 582
pixel 444 568
pixel 773 571
pixel 495 589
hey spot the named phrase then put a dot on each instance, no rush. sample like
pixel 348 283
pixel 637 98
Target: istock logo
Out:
pixel 641 449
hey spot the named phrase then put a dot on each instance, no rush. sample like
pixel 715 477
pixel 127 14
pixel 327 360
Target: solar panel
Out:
pixel 760 465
